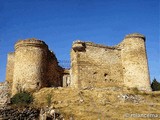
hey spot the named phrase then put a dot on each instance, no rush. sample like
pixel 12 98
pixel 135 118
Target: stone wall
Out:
pixel 134 61
pixel 54 71
pixel 66 78
pixel 35 66
pixel 4 93
pixel 95 65
pixel 10 68
pixel 30 65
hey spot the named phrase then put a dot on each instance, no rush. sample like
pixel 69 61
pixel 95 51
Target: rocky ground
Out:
pixel 101 104
pixel 4 92
pixel 9 113
pixel 112 103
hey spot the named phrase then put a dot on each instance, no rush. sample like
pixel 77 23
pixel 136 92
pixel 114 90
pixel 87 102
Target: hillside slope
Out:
pixel 101 104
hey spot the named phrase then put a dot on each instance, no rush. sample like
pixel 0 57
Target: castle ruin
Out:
pixel 33 66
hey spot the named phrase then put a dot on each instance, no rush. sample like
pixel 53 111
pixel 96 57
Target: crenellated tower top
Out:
pixel 31 42
pixel 135 35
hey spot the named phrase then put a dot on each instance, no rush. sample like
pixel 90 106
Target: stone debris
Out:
pixel 4 93
pixel 50 114
pixel 7 113
pixel 130 98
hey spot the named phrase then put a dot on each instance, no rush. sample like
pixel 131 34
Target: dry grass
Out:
pixel 97 104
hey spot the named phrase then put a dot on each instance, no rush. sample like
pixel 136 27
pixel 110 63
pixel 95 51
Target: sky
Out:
pixel 60 22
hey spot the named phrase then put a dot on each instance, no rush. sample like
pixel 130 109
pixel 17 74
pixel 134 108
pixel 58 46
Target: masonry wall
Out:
pixel 125 64
pixel 134 61
pixel 4 93
pixel 95 66
pixel 35 66
pixel 54 71
pixel 30 65
pixel 66 78
pixel 10 68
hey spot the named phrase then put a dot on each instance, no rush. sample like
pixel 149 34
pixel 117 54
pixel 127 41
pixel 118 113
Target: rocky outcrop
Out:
pixel 4 93
pixel 7 113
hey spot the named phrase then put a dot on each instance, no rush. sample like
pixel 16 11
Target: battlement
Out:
pixel 135 35
pixel 78 44
pixel 31 42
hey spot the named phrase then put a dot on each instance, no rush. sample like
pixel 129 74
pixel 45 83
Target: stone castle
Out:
pixel 33 66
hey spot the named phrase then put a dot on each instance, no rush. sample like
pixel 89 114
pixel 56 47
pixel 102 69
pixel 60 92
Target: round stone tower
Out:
pixel 134 62
pixel 30 65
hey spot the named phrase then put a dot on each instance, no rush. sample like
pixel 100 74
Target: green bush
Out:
pixel 22 98
pixel 155 85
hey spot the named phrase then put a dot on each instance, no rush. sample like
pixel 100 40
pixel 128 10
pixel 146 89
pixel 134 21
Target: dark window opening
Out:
pixel 37 83
pixel 105 76
pixel 95 73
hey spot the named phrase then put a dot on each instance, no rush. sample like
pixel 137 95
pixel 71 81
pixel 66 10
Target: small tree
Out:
pixel 155 85
pixel 22 98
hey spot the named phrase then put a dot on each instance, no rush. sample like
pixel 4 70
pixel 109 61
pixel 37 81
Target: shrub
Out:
pixel 155 85
pixel 22 98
